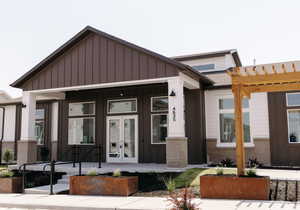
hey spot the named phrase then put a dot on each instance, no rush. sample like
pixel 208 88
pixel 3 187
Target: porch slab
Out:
pixel 111 167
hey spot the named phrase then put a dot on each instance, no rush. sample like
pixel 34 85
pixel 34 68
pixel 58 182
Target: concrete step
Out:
pixel 57 188
pixel 64 179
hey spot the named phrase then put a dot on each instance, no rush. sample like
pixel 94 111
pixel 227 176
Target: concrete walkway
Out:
pixel 22 201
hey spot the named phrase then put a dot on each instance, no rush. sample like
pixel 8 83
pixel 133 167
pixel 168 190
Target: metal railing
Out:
pixel 77 153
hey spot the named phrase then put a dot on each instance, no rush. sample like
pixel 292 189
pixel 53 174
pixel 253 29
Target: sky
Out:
pixel 265 30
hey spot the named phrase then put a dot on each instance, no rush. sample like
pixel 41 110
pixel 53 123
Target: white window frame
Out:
pixel 288 124
pixel 151 104
pixel 83 102
pixel 233 144
pixel 125 99
pixel 83 116
pixel 286 96
pixel 152 127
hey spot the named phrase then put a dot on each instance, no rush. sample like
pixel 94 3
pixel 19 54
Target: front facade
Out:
pixel 141 107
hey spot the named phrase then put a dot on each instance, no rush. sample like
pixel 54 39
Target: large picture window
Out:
pixel 40 126
pixel 81 123
pixel 159 119
pixel 294 126
pixel 227 122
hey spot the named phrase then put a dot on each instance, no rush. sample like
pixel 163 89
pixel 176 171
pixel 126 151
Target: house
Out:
pixel 140 107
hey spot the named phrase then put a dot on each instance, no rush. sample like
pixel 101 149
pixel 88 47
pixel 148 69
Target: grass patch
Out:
pixel 191 176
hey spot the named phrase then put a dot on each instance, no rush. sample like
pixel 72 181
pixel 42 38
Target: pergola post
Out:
pixel 239 131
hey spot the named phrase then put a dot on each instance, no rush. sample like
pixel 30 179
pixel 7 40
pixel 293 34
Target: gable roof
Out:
pixel 233 52
pixel 87 30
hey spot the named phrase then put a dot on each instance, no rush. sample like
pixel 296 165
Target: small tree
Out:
pixel 8 156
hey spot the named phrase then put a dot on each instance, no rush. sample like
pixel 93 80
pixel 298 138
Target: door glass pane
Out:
pixel 294 125
pixel 129 138
pixel 39 131
pixel 114 138
pixel 123 106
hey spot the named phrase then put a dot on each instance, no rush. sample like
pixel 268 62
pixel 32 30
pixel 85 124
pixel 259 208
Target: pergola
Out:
pixel 277 77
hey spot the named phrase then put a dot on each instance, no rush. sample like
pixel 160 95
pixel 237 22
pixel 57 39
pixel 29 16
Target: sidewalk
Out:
pixel 68 202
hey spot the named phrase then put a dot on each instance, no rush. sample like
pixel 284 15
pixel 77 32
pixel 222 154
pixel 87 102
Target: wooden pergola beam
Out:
pixel 272 87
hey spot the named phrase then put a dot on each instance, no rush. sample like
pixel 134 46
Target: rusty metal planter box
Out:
pixel 11 185
pixel 103 185
pixel 233 187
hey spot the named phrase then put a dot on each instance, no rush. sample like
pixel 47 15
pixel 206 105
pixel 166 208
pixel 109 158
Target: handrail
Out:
pixel 99 154
pixel 77 154
pixel 24 169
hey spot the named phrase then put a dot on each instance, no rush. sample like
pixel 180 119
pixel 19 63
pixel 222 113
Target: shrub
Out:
pixel 219 171
pixel 251 172
pixel 8 156
pixel 92 173
pixel 170 184
pixel 6 173
pixel 254 163
pixel 117 173
pixel 227 162
pixel 183 200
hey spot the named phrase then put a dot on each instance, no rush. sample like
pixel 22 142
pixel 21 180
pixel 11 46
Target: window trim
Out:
pixel 167 114
pixel 206 64
pixel 151 107
pixel 288 126
pixel 83 116
pixel 220 111
pixel 81 102
pixel 123 99
pixel 286 99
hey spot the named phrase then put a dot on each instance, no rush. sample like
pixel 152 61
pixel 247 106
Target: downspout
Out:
pixel 2 136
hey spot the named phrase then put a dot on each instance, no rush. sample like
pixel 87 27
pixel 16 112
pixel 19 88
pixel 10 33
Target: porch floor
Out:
pixel 111 167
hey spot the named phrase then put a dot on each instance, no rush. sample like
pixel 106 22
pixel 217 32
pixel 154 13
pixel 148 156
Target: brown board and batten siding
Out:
pixel 283 153
pixel 95 60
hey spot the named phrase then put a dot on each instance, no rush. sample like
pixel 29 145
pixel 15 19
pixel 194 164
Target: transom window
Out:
pixel 226 120
pixel 159 119
pixel 293 99
pixel 122 106
pixel 81 123
pixel 40 126
pixel 204 67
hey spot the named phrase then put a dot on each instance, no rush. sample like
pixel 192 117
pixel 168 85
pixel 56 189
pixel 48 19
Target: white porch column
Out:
pixel 176 148
pixel 27 145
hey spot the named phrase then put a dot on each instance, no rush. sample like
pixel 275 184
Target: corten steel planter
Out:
pixel 103 185
pixel 234 187
pixel 11 185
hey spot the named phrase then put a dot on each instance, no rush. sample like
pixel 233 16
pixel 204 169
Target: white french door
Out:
pixel 122 138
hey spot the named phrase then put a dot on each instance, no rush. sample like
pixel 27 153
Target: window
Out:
pixel 40 126
pixel 160 104
pixel 122 106
pixel 227 124
pixel 159 128
pixel 204 67
pixel 159 119
pixel 293 99
pixel 1 122
pixel 81 123
pixel 294 126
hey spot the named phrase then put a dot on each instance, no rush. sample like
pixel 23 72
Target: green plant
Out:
pixel 251 172
pixel 183 200
pixel 92 173
pixel 219 171
pixel 254 163
pixel 8 156
pixel 117 173
pixel 170 184
pixel 6 173
pixel 227 162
